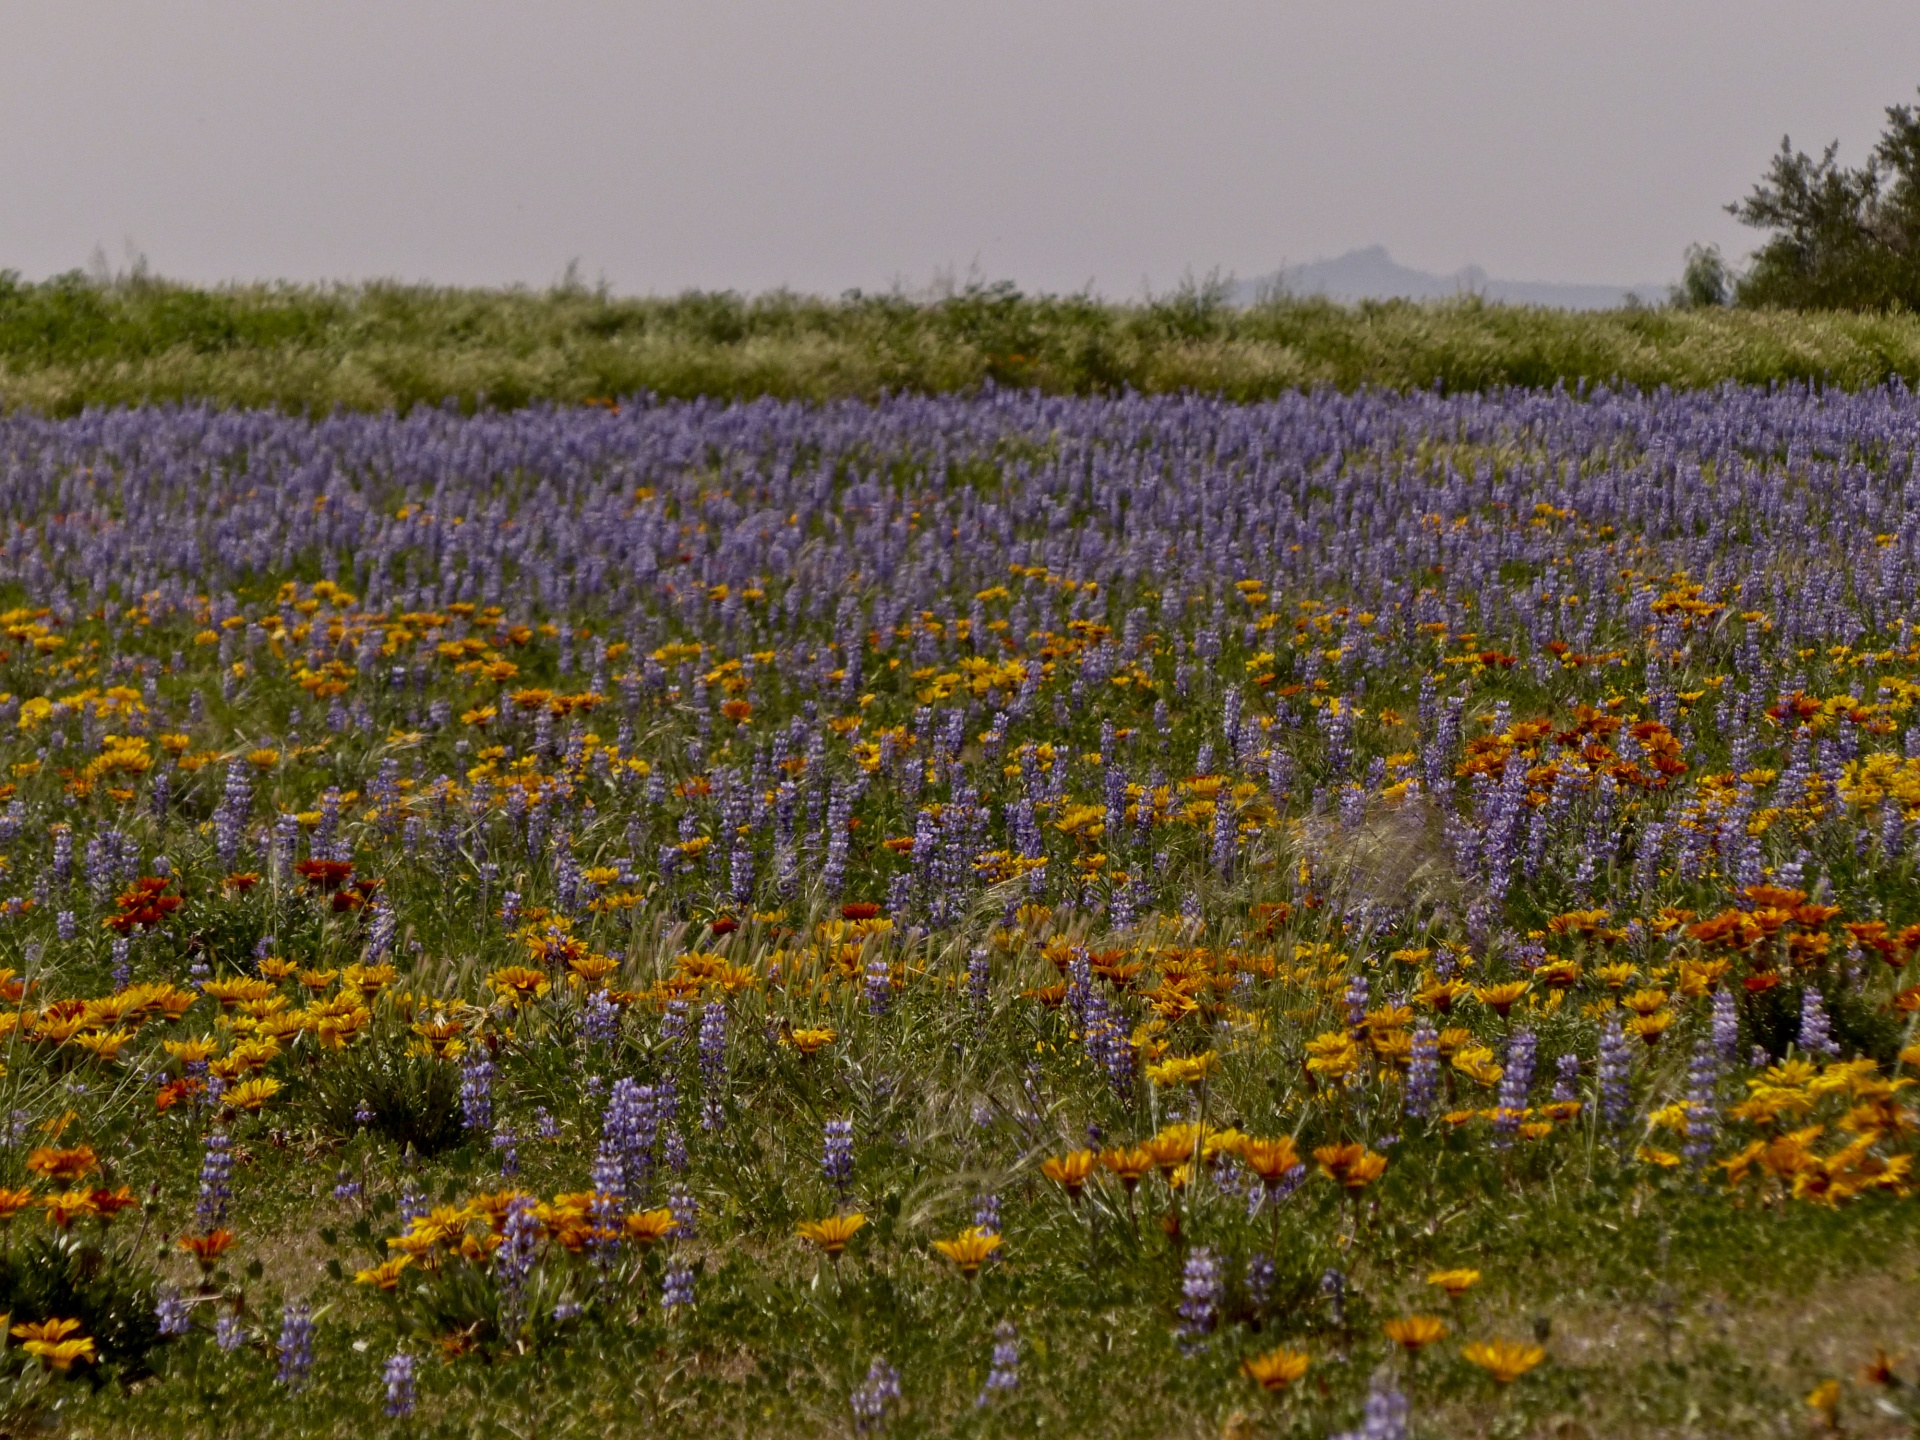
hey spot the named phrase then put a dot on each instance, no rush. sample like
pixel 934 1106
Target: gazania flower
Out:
pixel 1354 1166
pixel 109 1203
pixel 1879 1370
pixel 1650 1027
pixel 71 1205
pixel 1272 1160
pixel 385 1275
pixel 1455 1282
pixel 1276 1369
pixel 63 1165
pixel 1502 998
pixel 644 1227
pixel 1183 1069
pixel 326 876
pixel 145 904
pixel 592 970
pixel 103 1045
pixel 1128 1165
pixel 45 1329
pixel 1413 1333
pixel 1505 1360
pixel 808 1041
pixel 207 1249
pixel 12 1202
pixel 252 1094
pixel 60 1354
pixel 54 1343
pixel 517 984
pixel 1173 1147
pixel 832 1233
pixel 969 1249
pixel 1069 1171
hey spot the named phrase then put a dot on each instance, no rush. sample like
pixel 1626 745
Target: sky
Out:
pixel 825 145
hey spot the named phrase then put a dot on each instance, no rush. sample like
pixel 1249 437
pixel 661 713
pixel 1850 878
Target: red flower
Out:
pixel 144 904
pixel 326 876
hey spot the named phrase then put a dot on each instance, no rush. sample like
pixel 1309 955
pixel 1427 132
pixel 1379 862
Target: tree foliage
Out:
pixel 1844 239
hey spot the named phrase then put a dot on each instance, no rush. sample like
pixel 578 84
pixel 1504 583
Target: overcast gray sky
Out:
pixel 1057 143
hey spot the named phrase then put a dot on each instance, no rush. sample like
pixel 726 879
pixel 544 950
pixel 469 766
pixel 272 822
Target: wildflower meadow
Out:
pixel 1373 915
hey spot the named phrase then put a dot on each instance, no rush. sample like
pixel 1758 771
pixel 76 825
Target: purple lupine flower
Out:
pixel 676 1289
pixel 171 1313
pixel 1333 1284
pixel 476 1091
pixel 673 1024
pixel 879 985
pixel 1726 1025
pixel 412 1204
pixel 713 1065
pixel 295 1347
pixel 686 1212
pixel 1566 1075
pixel 871 1398
pixel 216 1181
pixel 513 1260
pixel 599 1019
pixel 629 1130
pixel 507 1141
pixel 1225 834
pixel 1004 1372
pixel 1702 1107
pixel 1258 1280
pixel 609 1193
pixel 1423 1072
pixel 1816 1031
pixel 398 1378
pixel 1615 1063
pixel 1516 1081
pixel 1357 996
pixel 836 1161
pixel 986 1213
pixel 1200 1293
pixel 1387 1414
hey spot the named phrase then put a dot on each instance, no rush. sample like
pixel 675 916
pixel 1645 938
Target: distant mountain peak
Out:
pixel 1370 273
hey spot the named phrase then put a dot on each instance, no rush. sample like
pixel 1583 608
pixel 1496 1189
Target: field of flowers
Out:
pixel 1372 914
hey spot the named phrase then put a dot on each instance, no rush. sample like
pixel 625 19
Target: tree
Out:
pixel 1841 239
pixel 1707 281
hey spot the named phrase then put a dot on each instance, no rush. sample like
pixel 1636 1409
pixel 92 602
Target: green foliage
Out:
pixel 77 1275
pixel 414 1099
pixel 1839 239
pixel 1706 281
pixel 70 342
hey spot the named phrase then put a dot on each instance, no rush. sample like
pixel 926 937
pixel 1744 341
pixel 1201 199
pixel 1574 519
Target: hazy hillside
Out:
pixel 1373 274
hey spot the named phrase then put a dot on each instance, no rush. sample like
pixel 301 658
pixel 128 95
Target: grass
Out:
pixel 70 343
